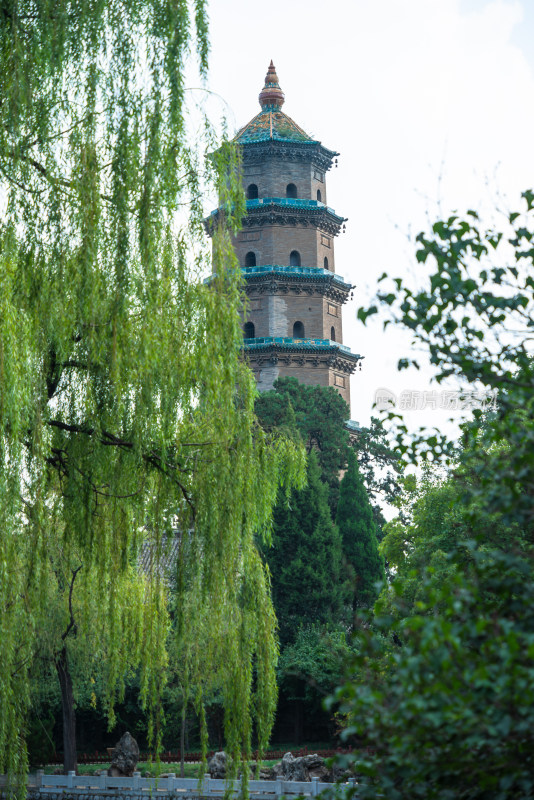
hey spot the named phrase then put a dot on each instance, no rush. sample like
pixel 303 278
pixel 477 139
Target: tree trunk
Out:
pixel 298 721
pixel 182 745
pixel 67 707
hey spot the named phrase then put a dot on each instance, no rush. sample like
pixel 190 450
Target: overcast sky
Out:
pixel 430 104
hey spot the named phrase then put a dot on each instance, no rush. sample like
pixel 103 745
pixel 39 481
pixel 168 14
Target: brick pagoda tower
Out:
pixel 293 325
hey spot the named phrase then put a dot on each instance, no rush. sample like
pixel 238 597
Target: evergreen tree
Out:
pixel 358 532
pixel 319 415
pixel 309 668
pixel 306 559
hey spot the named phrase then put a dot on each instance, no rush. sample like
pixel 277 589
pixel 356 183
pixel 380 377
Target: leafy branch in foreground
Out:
pixel 449 712
pixel 476 319
pixel 440 685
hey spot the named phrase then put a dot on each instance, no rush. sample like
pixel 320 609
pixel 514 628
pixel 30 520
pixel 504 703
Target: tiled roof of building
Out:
pixel 271 122
pixel 271 125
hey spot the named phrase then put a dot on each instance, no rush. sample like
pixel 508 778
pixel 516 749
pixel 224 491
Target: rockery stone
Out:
pixel 125 757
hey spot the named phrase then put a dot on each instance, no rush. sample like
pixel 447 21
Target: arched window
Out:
pixel 250 259
pixel 325 263
pixel 332 334
pixel 294 258
pixel 298 330
pixel 291 190
pixel 249 331
pixel 252 192
pixel 318 195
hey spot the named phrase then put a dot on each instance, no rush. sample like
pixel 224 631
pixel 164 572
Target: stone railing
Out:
pixel 93 787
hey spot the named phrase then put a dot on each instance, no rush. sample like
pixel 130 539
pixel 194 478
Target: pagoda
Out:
pixel 293 323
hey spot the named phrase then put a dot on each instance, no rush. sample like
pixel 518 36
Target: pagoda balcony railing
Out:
pixel 295 202
pixel 352 425
pixel 292 202
pixel 312 271
pixel 265 269
pixel 323 344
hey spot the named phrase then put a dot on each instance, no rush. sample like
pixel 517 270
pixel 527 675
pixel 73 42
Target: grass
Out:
pixel 146 769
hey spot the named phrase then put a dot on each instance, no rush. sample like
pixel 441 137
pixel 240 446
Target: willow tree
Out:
pixel 74 641
pixel 124 407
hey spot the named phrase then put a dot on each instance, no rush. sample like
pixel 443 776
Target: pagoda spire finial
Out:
pixel 271 96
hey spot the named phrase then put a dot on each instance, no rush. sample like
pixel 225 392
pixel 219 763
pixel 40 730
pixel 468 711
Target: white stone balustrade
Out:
pixel 104 786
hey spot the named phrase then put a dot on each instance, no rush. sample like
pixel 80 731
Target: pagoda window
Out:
pixel 298 330
pixel 250 259
pixel 252 191
pixel 325 263
pixel 291 190
pixel 294 258
pixel 319 195
pixel 249 331
pixel 332 334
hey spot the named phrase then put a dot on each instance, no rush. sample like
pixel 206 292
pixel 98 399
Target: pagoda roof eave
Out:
pixel 300 274
pixel 296 206
pixel 288 344
pixel 281 210
pixel 335 357
pixel 275 140
pixel 288 150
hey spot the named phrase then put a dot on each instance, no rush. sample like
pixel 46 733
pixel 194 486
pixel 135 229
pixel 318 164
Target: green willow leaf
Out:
pixel 125 412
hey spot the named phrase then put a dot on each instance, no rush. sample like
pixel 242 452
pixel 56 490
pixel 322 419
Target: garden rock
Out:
pixel 217 765
pixel 340 774
pixel 291 768
pixel 301 768
pixel 125 757
pixel 267 774
pixel 316 767
pixel 295 769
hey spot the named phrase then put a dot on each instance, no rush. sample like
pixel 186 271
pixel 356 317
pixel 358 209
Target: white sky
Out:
pixel 430 104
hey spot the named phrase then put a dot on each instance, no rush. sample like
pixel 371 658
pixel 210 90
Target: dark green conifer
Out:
pixel 306 559
pixel 358 533
pixel 319 414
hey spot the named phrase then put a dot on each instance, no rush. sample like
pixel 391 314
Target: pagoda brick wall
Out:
pixel 273 244
pixel 272 177
pixel 332 320
pixel 260 313
pixel 275 314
